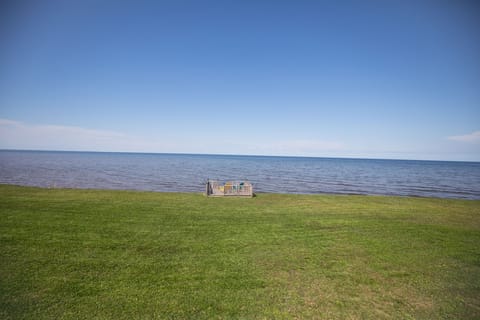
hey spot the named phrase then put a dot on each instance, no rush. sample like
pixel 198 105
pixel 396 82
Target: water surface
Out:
pixel 183 172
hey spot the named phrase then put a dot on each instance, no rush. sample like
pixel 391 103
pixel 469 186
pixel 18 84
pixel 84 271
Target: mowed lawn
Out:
pixel 85 254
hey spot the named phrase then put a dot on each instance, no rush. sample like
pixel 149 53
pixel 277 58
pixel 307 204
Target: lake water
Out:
pixel 182 172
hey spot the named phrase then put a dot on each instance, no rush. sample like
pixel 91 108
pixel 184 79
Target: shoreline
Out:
pixel 256 194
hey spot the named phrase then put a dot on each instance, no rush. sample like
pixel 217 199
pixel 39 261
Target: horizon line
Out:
pixel 236 155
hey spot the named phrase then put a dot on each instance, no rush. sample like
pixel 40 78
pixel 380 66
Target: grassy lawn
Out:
pixel 83 254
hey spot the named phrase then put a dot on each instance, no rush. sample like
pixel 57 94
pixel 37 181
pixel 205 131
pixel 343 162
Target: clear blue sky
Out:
pixel 377 79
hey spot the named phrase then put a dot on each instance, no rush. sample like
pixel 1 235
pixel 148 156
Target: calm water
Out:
pixel 179 172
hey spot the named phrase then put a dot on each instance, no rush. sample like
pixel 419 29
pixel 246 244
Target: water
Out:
pixel 180 172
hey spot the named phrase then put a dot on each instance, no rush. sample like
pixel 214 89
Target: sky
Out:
pixel 363 79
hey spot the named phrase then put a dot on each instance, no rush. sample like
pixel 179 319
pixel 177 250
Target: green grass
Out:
pixel 83 254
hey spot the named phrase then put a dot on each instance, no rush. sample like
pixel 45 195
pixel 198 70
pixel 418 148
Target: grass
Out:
pixel 83 254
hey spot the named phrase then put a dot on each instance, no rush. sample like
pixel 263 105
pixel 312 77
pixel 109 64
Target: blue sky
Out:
pixel 375 79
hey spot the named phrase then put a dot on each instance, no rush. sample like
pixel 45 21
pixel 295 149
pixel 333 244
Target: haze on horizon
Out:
pixel 370 79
